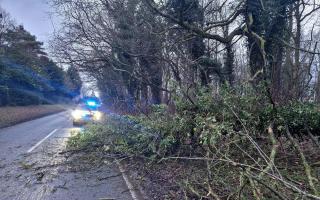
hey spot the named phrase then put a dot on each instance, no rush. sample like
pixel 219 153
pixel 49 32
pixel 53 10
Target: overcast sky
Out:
pixel 34 15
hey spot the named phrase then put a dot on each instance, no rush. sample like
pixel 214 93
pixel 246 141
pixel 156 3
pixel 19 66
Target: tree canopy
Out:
pixel 145 51
pixel 28 76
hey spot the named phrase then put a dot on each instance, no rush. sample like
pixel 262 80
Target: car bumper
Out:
pixel 85 120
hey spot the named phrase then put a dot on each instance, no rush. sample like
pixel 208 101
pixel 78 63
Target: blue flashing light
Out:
pixel 92 103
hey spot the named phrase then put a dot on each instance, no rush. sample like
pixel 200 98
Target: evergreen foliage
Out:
pixel 28 76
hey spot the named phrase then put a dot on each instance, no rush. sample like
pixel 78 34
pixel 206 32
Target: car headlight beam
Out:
pixel 77 114
pixel 97 115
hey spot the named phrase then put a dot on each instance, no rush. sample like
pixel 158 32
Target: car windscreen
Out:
pixel 83 107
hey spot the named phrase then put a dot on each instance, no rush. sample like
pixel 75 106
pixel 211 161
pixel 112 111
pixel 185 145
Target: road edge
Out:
pixel 135 190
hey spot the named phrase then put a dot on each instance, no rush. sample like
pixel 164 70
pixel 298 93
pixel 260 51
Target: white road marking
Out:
pixel 41 141
pixel 133 193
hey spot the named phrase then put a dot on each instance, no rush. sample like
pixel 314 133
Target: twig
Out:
pixel 313 138
pixel 108 177
pixel 273 153
pixel 261 152
pixel 240 188
pixel 267 186
pixel 211 192
pixel 256 192
pixel 241 165
pixel 306 165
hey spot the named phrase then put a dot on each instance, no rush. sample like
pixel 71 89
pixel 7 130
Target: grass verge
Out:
pixel 13 115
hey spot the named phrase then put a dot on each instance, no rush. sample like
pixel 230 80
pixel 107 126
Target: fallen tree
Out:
pixel 214 150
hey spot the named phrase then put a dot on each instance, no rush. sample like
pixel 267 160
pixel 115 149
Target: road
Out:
pixel 33 168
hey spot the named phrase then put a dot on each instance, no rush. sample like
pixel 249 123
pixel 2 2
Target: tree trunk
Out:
pixel 317 89
pixel 256 51
pixel 229 61
pixel 288 65
pixel 275 50
pixel 297 43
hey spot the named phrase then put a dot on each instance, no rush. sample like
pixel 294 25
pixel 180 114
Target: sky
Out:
pixel 34 15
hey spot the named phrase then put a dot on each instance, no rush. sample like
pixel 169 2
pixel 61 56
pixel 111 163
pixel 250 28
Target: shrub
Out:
pixel 208 118
pixel 119 134
pixel 296 115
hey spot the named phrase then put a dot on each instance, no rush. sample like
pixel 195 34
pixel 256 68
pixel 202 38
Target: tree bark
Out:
pixel 297 43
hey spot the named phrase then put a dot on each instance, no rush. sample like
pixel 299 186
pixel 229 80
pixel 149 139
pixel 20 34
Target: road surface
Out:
pixel 33 168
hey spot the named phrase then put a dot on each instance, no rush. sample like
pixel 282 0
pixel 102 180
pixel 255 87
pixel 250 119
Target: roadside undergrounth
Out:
pixel 13 115
pixel 233 167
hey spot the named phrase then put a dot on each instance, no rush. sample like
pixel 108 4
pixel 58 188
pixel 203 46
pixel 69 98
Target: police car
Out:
pixel 87 111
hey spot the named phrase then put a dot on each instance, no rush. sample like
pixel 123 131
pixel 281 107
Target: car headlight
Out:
pixel 78 114
pixel 97 115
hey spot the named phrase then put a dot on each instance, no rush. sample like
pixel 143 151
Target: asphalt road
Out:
pixel 33 168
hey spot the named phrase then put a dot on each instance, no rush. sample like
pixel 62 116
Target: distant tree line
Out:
pixel 143 51
pixel 27 75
